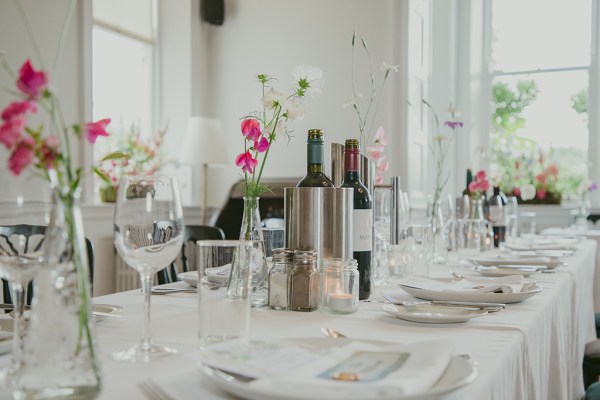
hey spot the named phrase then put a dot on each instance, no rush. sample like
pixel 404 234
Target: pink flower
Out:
pixel 261 145
pixel 31 82
pixel 22 156
pixel 11 130
pixel 480 175
pixel 541 194
pixel 382 166
pixel 552 170
pixel 517 192
pixel 246 162
pixel 381 137
pixel 95 129
pixel 541 178
pixel 48 150
pixel 374 153
pixel 18 108
pixel 251 129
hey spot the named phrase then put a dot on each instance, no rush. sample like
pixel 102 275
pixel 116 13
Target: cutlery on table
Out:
pixel 159 290
pixel 491 307
pixel 332 333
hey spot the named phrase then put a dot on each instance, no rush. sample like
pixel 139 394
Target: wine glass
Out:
pixel 148 227
pixel 23 225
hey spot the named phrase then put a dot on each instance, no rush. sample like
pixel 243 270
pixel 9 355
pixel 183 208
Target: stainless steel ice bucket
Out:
pixel 320 219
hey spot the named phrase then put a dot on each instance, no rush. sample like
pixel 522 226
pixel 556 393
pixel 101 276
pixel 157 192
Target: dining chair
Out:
pixel 593 392
pixel 33 236
pixel 192 233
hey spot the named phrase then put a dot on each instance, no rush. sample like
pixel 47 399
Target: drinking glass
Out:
pixel 381 217
pixel 512 214
pixel 471 236
pixel 148 228
pixel 22 252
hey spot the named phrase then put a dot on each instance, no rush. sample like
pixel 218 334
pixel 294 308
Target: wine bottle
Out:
pixel 315 177
pixel 497 215
pixel 362 216
pixel 467 191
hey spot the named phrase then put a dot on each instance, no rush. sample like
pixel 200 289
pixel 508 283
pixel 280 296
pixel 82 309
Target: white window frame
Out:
pixel 487 75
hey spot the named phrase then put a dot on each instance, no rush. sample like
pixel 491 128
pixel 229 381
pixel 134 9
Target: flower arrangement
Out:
pixel 479 185
pixel 260 129
pixel 366 115
pixel 439 146
pixel 533 180
pixel 144 158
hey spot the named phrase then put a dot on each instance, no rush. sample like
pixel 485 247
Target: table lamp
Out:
pixel 203 147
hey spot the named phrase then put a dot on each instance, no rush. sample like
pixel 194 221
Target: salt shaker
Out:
pixel 304 283
pixel 278 278
pixel 339 286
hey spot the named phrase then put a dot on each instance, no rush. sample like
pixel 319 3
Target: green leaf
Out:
pixel 116 155
pixel 102 175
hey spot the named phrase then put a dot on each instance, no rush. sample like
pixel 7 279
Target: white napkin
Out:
pixel 294 366
pixel 218 274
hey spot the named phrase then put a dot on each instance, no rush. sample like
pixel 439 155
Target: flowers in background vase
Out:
pixel 479 185
pixel 260 129
pixel 144 156
pixel 367 113
pixel 439 146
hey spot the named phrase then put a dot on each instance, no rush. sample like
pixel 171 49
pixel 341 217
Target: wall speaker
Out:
pixel 212 11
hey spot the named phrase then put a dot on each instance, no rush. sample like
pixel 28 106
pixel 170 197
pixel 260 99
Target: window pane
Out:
pixel 532 34
pixel 546 112
pixel 122 81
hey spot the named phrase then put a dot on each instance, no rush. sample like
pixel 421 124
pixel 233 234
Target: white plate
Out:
pixel 190 277
pixel 433 313
pixel 460 371
pixel 6 326
pixel 105 308
pixel 529 289
pixel 494 260
pixel 500 272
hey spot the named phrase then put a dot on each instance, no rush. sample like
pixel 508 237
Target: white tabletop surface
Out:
pixel 531 350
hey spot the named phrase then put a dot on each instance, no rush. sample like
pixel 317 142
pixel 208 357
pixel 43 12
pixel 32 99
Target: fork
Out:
pixel 152 391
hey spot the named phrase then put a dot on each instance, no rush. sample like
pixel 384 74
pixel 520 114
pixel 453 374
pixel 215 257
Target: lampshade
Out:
pixel 204 144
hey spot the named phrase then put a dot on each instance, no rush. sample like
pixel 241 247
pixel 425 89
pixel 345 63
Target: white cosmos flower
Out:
pixel 527 192
pixel 389 67
pixel 352 101
pixel 308 80
pixel 273 98
pixel 295 111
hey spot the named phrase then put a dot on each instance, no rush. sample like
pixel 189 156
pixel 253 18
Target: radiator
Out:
pixel 127 278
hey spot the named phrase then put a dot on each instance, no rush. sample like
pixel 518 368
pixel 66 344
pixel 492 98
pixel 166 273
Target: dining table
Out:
pixel 530 350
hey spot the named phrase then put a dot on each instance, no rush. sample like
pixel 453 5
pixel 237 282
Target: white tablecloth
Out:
pixel 531 350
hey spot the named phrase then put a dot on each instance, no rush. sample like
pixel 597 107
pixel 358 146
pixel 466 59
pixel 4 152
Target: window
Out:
pixel 540 65
pixel 124 89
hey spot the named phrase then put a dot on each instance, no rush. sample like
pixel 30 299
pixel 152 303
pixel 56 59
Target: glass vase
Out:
pixel 437 220
pixel 251 230
pixel 60 359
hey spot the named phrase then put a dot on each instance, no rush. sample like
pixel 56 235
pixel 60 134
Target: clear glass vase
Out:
pixel 251 230
pixel 60 359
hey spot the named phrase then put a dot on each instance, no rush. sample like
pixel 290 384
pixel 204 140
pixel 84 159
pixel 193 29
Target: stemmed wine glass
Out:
pixel 22 228
pixel 148 227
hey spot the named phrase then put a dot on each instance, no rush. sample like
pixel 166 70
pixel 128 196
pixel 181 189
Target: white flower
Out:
pixel 307 80
pixel 352 101
pixel 279 129
pixel 272 99
pixel 455 112
pixel 295 111
pixel 527 192
pixel 389 67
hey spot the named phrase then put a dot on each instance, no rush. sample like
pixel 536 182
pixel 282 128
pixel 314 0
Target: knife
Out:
pixel 446 303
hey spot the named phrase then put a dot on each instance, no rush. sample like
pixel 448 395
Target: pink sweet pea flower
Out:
pixel 22 156
pixel 381 137
pixel 30 81
pixel 541 194
pixel 480 175
pixel 261 145
pixel 382 165
pixel 95 129
pixel 48 150
pixel 246 162
pixel 251 129
pixel 11 131
pixel 18 108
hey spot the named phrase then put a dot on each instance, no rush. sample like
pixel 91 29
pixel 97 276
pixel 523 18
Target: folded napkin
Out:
pixel 310 370
pixel 505 284
pixel 218 274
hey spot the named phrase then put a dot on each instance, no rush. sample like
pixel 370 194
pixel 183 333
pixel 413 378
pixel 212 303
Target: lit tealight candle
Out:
pixel 341 303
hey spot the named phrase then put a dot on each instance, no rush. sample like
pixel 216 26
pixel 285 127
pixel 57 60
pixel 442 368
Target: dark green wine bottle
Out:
pixel 315 177
pixel 467 191
pixel 362 217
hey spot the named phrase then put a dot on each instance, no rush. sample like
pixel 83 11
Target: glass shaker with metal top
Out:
pixel 304 282
pixel 279 277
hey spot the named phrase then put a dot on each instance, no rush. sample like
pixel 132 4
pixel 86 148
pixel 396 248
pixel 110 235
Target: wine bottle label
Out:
pixel 497 216
pixel 363 229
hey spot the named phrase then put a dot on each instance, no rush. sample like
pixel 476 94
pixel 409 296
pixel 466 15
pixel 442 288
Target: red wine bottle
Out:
pixel 315 177
pixel 497 215
pixel 362 238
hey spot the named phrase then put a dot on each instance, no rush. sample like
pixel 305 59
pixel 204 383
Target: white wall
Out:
pixel 273 36
pixel 46 19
